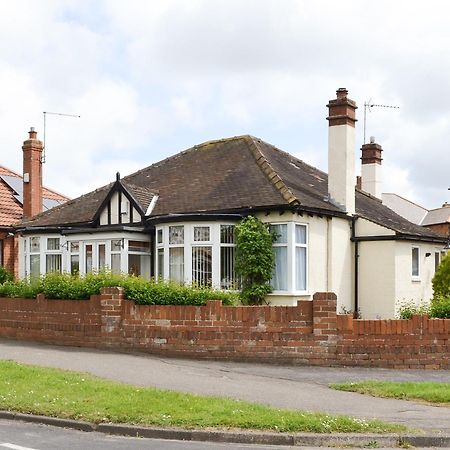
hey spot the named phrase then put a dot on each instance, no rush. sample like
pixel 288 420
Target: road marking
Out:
pixel 15 447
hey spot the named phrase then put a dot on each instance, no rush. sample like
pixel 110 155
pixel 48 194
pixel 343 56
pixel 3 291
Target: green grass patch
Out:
pixel 432 392
pixel 58 393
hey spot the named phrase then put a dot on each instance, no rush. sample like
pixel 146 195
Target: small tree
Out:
pixel 441 279
pixel 254 259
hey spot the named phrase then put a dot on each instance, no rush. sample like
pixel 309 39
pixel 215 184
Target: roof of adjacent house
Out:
pixel 11 197
pixel 437 216
pixel 228 175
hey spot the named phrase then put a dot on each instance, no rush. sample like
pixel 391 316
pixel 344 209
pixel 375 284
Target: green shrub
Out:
pixel 254 259
pixel 441 279
pixel 73 287
pixel 440 307
pixel 5 275
pixel 408 309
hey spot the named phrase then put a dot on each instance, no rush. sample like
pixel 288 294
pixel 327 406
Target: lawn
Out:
pixel 432 392
pixel 58 393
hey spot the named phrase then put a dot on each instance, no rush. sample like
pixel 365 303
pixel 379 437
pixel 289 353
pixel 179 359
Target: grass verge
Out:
pixel 426 391
pixel 58 393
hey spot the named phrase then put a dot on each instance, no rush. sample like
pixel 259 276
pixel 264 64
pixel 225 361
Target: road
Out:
pixel 303 388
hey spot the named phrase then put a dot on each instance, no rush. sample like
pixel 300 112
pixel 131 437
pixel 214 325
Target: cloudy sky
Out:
pixel 151 78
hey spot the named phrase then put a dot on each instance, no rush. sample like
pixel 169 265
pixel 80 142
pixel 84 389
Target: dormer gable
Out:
pixel 125 203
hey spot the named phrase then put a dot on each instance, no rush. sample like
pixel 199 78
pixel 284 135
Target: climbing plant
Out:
pixel 254 259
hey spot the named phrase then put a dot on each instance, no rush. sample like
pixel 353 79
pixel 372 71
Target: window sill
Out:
pixel 415 280
pixel 288 294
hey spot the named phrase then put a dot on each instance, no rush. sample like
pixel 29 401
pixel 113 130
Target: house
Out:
pixel 175 220
pixel 437 219
pixel 16 202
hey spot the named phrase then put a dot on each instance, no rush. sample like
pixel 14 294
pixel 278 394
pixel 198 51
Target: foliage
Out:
pixel 408 309
pixel 65 394
pixel 441 279
pixel 433 392
pixel 74 287
pixel 440 307
pixel 5 275
pixel 254 259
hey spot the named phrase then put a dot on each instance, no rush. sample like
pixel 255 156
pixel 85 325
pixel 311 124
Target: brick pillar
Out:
pixel 325 316
pixel 111 307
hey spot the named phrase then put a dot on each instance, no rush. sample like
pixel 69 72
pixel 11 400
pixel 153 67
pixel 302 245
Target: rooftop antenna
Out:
pixel 367 106
pixel 45 126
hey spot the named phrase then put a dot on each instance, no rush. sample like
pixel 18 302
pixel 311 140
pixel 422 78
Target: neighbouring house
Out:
pixel 437 219
pixel 175 220
pixel 22 196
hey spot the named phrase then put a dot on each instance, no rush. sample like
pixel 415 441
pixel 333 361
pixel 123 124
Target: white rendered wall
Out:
pixel 414 289
pixel 371 179
pixel 376 279
pixel 365 227
pixel 341 165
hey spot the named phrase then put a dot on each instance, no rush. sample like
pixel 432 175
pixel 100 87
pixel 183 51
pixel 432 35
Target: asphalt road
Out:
pixel 304 388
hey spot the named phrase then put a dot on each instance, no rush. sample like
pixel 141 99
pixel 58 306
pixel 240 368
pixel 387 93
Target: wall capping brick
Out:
pixel 309 333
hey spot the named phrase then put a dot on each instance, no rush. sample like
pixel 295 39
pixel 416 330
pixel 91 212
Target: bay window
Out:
pixel 290 274
pixel 176 253
pixel 53 255
pixel 35 257
pixel 74 248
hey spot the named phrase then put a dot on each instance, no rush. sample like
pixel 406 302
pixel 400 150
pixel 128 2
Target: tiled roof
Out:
pixel 10 202
pixel 232 174
pixel 437 216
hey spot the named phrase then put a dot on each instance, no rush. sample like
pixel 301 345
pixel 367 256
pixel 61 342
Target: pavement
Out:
pixel 299 387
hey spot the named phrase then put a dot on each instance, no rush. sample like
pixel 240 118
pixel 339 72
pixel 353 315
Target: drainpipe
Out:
pixel 356 243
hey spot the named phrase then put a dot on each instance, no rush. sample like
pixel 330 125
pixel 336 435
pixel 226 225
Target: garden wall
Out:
pixel 309 333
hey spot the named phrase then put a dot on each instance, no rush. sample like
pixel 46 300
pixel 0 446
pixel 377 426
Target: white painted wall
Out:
pixel 371 181
pixel 341 165
pixel 377 279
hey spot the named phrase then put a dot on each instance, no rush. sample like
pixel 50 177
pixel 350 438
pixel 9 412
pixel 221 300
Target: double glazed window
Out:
pixel 291 256
pixel 415 262
pixel 197 253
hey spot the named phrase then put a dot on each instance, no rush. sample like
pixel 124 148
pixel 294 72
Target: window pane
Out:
pixel 53 263
pixel 74 247
pixel 159 235
pixel 160 263
pixel 88 258
pixel 281 233
pixel 176 235
pixel 139 246
pixel 300 268
pixel 201 234
pixel 300 234
pixel 35 266
pixel 415 262
pixel 116 245
pixel 139 265
pixel 279 276
pixel 52 243
pixel 34 244
pixel 74 264
pixel 176 264
pixel 115 263
pixel 227 274
pixel 227 234
pixel 202 266
pixel 101 256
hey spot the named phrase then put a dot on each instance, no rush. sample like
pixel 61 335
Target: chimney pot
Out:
pixel 32 133
pixel 372 139
pixel 341 93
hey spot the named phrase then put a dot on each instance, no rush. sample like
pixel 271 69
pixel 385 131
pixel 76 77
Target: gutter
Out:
pixel 398 237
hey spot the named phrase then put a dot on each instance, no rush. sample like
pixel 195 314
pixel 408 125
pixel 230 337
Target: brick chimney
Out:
pixel 32 175
pixel 371 168
pixel 341 151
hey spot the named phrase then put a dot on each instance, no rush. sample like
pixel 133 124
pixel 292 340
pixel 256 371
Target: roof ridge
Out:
pixel 270 172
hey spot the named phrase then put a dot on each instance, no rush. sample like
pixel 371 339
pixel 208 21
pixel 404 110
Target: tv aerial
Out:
pixel 45 126
pixel 367 107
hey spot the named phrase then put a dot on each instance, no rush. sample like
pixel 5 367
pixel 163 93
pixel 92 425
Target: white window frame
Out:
pixel 413 276
pixel 291 262
pixel 48 252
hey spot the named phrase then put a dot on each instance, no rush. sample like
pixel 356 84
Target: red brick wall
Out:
pixel 310 333
pixel 10 253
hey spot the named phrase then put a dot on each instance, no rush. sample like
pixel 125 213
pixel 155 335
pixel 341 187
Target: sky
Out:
pixel 152 78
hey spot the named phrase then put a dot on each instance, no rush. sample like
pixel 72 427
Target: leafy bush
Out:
pixel 73 287
pixel 409 309
pixel 440 307
pixel 254 259
pixel 5 275
pixel 441 279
